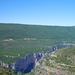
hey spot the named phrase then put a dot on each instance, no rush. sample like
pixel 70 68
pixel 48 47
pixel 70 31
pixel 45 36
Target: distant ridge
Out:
pixel 35 31
pixel 36 24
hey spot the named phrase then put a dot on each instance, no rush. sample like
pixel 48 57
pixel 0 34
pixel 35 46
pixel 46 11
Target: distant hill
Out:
pixel 60 62
pixel 18 31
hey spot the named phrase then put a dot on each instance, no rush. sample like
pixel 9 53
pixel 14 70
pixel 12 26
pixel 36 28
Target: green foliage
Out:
pixel 63 59
pixel 22 47
pixel 66 55
pixel 18 31
pixel 44 37
pixel 31 73
pixel 71 69
pixel 6 71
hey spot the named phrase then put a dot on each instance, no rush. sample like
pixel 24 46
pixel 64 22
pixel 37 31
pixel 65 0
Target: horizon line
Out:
pixel 37 24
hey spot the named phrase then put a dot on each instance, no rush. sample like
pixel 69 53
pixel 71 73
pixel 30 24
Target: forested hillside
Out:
pixel 17 40
pixel 18 31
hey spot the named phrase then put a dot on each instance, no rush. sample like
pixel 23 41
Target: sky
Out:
pixel 39 12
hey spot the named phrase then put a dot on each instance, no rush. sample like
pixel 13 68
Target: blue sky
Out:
pixel 42 12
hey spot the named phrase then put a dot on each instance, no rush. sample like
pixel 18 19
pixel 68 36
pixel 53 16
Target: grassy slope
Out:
pixel 45 36
pixel 61 61
pixel 6 71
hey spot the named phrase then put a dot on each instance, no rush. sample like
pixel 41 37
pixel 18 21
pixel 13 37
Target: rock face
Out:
pixel 25 65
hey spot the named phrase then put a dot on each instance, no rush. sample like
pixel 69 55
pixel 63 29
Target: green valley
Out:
pixel 17 40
